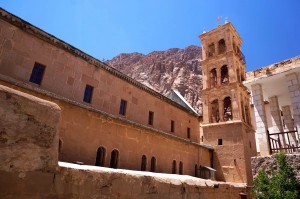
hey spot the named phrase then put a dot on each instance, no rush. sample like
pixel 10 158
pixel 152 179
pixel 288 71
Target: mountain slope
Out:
pixel 165 70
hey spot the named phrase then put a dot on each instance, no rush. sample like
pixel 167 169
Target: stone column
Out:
pixel 275 115
pixel 218 76
pixel 287 117
pixel 234 105
pixel 289 123
pixel 205 110
pixel 262 141
pixel 221 110
pixel 276 118
pixel 294 90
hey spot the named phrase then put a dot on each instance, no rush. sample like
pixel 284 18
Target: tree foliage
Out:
pixel 280 184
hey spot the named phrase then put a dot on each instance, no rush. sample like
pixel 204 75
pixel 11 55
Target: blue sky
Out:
pixel 270 29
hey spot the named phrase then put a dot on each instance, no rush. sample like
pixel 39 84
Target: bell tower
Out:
pixel 226 112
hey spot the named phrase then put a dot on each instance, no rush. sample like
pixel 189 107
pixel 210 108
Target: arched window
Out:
pixel 224 75
pixel 227 109
pixel 222 46
pixel 144 163
pixel 174 167
pixel 213 78
pixel 211 50
pixel 214 111
pixel 100 156
pixel 114 159
pixel 153 164
pixel 180 168
pixel 196 170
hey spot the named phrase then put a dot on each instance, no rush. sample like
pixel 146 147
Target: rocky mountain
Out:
pixel 165 70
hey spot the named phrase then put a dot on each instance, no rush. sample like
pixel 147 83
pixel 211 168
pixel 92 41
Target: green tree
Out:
pixel 280 184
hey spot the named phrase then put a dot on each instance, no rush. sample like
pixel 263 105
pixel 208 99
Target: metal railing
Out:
pixel 284 141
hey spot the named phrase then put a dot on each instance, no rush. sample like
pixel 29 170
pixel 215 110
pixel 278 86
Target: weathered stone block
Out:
pixel 28 132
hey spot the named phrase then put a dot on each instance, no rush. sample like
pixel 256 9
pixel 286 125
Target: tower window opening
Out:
pixel 213 78
pixel 224 75
pixel 222 46
pixel 215 111
pixel 211 50
pixel 144 163
pixel 188 131
pixel 220 142
pixel 227 109
pixel 150 118
pixel 100 158
pixel 172 126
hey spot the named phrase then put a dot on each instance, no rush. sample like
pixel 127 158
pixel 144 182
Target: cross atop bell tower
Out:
pixel 226 112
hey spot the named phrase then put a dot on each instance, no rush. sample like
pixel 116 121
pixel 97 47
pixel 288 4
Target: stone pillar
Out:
pixel 221 110
pixel 276 118
pixel 289 123
pixel 262 141
pixel 294 90
pixel 205 110
pixel 234 105
pixel 275 114
pixel 218 76
pixel 287 117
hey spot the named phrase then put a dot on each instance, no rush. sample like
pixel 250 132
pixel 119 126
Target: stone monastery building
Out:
pixel 110 120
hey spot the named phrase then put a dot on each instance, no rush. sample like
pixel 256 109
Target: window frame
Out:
pixel 123 107
pixel 88 93
pixel 37 73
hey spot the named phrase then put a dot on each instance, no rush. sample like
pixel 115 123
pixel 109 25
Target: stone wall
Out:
pixel 84 129
pixel 268 163
pixel 29 169
pixel 22 45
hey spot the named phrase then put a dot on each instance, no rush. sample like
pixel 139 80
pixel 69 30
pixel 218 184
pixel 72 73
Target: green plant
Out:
pixel 280 184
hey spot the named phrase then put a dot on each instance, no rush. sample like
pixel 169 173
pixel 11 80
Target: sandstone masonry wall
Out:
pixel 68 70
pixel 29 169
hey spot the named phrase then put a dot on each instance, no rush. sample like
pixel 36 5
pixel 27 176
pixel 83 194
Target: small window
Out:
pixel 188 132
pixel 220 142
pixel 202 138
pixel 250 144
pixel 88 94
pixel 196 170
pixel 153 164
pixel 150 118
pixel 144 163
pixel 37 73
pixel 100 158
pixel 174 169
pixel 180 168
pixel 123 106
pixel 172 126
pixel 114 159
